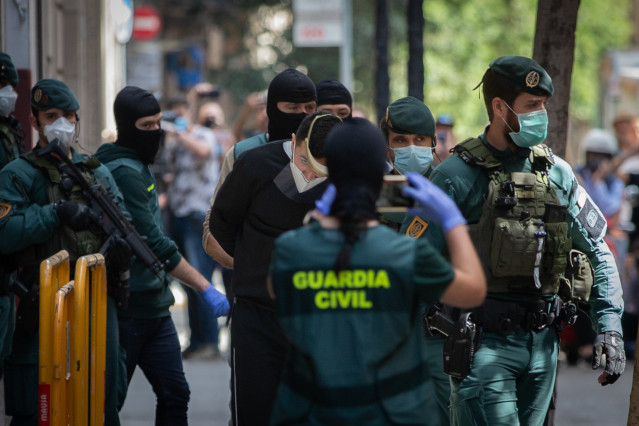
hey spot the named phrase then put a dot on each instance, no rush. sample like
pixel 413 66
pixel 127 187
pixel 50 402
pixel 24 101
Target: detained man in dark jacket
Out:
pixel 268 192
pixel 147 331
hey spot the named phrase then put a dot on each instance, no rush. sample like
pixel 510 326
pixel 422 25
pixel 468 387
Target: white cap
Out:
pixel 599 140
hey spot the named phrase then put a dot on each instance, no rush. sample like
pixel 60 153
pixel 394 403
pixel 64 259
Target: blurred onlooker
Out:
pixel 195 156
pixel 211 115
pixel 625 129
pixel 445 138
pixel 252 118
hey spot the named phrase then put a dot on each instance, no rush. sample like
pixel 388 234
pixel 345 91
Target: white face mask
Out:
pixel 301 182
pixel 8 98
pixel 62 130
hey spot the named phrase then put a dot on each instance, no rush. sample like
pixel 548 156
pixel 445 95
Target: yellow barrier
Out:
pixel 72 341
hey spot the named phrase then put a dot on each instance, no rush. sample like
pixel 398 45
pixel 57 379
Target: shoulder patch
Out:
pixel 591 219
pixel 4 210
pixel 416 228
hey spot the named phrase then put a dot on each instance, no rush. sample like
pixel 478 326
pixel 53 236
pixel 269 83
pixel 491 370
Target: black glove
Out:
pixel 608 351
pixel 118 253
pixel 74 215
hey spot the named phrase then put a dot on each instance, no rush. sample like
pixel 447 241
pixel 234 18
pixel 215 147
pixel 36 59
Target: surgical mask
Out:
pixel 8 98
pixel 62 130
pixel 301 183
pixel 413 158
pixel 533 128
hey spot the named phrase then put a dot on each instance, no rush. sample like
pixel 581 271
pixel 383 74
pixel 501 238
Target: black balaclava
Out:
pixel 332 92
pixel 131 104
pixel 356 161
pixel 288 86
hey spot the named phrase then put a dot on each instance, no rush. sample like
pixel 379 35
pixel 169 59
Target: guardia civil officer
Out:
pixel 40 217
pixel 409 128
pixel 526 212
pixel 347 292
pixel 410 131
pixel 147 332
pixel 290 98
pixel 11 146
pixel 334 97
pixel 269 191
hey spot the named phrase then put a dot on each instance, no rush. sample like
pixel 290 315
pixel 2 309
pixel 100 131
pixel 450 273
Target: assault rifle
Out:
pixel 111 219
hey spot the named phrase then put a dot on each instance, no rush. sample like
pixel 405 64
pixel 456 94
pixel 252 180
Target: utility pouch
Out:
pixel 460 347
pixel 118 287
pixel 579 278
pixel 436 323
pixel 28 309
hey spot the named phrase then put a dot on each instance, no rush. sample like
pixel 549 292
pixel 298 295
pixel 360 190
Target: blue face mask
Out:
pixel 413 159
pixel 533 128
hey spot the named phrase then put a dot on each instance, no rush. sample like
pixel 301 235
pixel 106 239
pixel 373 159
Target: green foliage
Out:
pixel 460 40
pixel 596 33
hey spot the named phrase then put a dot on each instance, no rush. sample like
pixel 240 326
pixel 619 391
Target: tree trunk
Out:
pixel 555 50
pixel 382 80
pixel 633 413
pixel 415 21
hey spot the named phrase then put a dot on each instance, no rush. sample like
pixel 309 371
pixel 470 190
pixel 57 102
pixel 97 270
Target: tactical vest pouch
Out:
pixel 514 248
pixel 557 245
pixel 579 278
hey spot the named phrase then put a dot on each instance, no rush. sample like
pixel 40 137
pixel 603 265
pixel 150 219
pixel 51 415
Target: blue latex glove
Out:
pixel 323 205
pixel 218 302
pixel 435 205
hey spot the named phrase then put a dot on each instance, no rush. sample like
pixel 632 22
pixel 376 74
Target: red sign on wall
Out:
pixel 147 23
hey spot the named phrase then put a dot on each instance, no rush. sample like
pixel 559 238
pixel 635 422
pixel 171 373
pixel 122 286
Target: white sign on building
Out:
pixel 318 23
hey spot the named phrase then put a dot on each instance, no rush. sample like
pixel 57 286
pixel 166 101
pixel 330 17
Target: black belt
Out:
pixel 497 316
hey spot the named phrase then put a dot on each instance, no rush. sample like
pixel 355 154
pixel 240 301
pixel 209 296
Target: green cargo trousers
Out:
pixel 511 380
pixel 440 381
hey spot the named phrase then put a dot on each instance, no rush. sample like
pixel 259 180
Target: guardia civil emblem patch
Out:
pixel 416 228
pixel 532 79
pixel 37 95
pixel 4 209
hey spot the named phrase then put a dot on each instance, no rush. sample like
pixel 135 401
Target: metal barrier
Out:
pixel 72 341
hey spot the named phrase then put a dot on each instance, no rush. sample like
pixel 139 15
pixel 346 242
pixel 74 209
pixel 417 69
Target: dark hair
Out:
pixel 495 86
pixel 324 123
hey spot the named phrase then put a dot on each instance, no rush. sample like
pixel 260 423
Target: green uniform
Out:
pixel 150 297
pixel 30 229
pixel 357 352
pixel 513 372
pixel 10 149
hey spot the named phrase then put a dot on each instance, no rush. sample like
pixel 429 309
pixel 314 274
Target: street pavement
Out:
pixel 580 399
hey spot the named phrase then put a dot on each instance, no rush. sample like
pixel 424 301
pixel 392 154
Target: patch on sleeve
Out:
pixel 582 197
pixel 4 209
pixel 151 187
pixel 416 228
pixel 591 218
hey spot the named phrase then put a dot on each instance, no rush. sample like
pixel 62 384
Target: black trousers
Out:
pixel 258 355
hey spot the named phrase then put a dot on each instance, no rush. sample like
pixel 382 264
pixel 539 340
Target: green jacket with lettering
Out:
pixel 150 296
pixel 467 185
pixel 356 348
